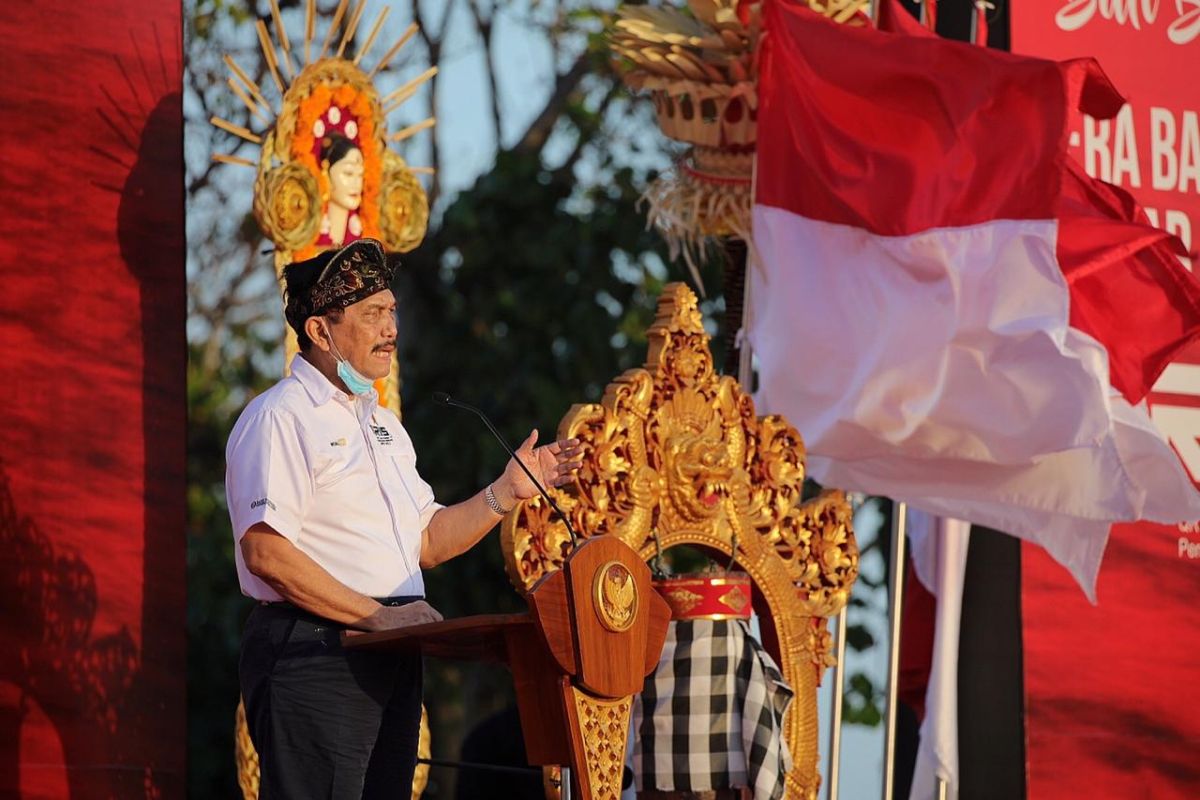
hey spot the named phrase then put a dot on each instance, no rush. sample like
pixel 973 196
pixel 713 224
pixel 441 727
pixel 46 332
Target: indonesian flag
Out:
pixel 948 309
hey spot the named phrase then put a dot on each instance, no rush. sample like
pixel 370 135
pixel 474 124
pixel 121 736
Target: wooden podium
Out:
pixel 593 632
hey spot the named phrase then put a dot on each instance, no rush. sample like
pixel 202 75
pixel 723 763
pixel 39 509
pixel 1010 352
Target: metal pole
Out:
pixel 942 788
pixel 564 775
pixel 745 353
pixel 839 691
pixel 899 525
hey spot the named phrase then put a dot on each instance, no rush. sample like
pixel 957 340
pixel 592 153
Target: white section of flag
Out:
pixel 939 369
pixel 890 339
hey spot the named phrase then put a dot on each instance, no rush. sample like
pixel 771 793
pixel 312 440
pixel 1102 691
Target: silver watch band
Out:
pixel 489 497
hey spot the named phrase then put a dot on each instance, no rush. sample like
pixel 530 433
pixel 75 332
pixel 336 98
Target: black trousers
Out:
pixel 328 723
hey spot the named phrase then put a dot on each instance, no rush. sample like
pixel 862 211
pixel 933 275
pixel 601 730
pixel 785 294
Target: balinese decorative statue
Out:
pixel 325 174
pixel 342 170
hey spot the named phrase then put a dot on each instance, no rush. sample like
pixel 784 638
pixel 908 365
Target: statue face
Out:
pixel 346 181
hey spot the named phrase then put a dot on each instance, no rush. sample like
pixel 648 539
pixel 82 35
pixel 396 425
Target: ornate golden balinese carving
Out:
pixel 616 596
pixel 675 451
pixel 424 747
pixel 604 725
pixel 244 755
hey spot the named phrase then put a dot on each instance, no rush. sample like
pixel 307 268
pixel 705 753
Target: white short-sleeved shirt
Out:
pixel 337 476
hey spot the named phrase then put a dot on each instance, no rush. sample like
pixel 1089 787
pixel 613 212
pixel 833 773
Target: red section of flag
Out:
pixel 894 18
pixel 927 133
pixel 916 642
pixel 1128 289
pixel 923 133
pixel 92 518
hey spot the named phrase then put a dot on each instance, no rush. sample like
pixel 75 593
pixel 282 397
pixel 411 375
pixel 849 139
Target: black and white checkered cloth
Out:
pixel 711 715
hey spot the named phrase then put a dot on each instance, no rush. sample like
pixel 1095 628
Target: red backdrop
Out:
pixel 1112 696
pixel 92 667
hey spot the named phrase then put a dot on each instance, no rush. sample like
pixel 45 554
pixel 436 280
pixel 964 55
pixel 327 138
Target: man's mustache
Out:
pixel 381 345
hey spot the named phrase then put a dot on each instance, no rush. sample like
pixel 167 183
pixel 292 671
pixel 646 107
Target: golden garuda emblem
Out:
pixel 616 596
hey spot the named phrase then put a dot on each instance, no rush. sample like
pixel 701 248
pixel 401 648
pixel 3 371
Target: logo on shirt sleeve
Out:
pixel 262 502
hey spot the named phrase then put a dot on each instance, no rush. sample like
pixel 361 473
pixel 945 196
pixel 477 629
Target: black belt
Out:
pixel 283 607
pixel 399 600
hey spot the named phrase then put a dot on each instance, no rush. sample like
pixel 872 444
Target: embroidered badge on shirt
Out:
pixel 382 435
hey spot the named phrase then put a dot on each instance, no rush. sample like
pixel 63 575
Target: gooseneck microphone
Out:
pixel 446 400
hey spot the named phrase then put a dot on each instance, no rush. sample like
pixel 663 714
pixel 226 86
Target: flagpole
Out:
pixel 899 526
pixel 742 340
pixel 839 691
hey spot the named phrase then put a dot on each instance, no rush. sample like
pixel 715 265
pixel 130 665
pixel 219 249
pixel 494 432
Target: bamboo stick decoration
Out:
pixel 249 84
pixel 403 40
pixel 284 43
pixel 337 18
pixel 393 100
pixel 310 17
pixel 398 99
pixel 268 51
pixel 238 160
pixel 252 106
pixel 404 133
pixel 236 130
pixel 372 35
pixel 351 27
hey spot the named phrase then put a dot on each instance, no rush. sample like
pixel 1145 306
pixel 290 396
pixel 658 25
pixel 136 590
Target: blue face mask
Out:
pixel 355 381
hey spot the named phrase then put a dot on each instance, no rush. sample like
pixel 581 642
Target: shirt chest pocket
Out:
pixel 396 465
pixel 336 461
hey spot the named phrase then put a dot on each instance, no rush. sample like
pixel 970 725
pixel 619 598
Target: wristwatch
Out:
pixel 489 497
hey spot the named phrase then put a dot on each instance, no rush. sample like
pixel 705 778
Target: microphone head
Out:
pixel 442 398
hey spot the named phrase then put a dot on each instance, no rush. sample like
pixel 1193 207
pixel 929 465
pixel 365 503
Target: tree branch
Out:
pixel 586 137
pixel 538 132
pixel 485 26
pixel 433 46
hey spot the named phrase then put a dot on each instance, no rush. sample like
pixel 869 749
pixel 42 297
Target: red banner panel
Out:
pixel 92 453
pixel 1151 50
pixel 1112 699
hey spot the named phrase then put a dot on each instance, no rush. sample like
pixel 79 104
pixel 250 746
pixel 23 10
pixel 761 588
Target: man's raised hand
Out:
pixel 552 464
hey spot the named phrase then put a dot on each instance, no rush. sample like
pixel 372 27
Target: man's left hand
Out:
pixel 552 464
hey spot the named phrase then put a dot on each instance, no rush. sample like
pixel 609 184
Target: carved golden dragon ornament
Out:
pixel 676 450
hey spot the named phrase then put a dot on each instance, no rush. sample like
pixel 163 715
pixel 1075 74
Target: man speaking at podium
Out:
pixel 333 525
